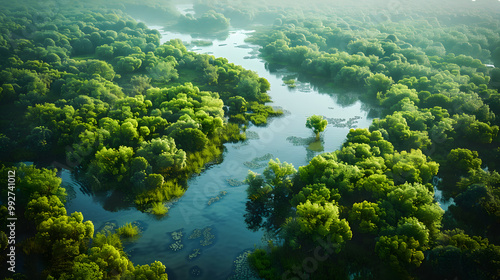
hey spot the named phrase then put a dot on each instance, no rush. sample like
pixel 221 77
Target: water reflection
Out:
pixel 233 215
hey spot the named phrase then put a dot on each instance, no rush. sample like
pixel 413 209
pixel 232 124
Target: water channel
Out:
pixel 214 234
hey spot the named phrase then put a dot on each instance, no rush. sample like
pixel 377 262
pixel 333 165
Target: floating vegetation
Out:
pixel 281 110
pixel 242 268
pixel 128 230
pixel 141 225
pixel 206 233
pixel 254 52
pixel 194 254
pixel 341 122
pixel 290 83
pixel 208 237
pixel 195 234
pixel 217 198
pixel 108 226
pixel 159 209
pixel 244 46
pixel 258 162
pixel 195 271
pixel 201 43
pixel 252 135
pixel 177 237
pixel 316 146
pixel 303 87
pixel 234 182
pixel 299 141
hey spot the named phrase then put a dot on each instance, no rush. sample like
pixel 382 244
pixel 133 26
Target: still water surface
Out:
pixel 222 221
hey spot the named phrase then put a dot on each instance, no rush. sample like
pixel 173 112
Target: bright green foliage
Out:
pixel 317 124
pixel 317 220
pixel 128 230
pixel 128 64
pixel 410 167
pixel 279 174
pixel 64 237
pixel 159 209
pixel 327 170
pixel 163 155
pixel 377 184
pixel 396 93
pixel 112 164
pixel 155 271
pixel 163 71
pixel 83 271
pixel 34 183
pixel 268 193
pixel 317 193
pixel 407 198
pixel 379 83
pixel 412 227
pixel 257 189
pixel 101 68
pixel 400 250
pixel 106 237
pixel 237 104
pixel 111 262
pixel 366 215
pixel 396 130
pixel 438 105
pixel 463 160
pixel 43 208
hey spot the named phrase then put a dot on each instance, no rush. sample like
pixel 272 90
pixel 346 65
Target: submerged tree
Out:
pixel 317 124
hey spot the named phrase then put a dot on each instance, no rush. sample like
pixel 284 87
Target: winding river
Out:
pixel 204 235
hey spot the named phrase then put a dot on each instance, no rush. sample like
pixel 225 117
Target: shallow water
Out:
pixel 284 137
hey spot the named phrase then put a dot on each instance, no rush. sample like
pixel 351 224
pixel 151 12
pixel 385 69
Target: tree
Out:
pixel 44 208
pixel 163 155
pixel 316 220
pixel 100 67
pixel 462 160
pixel 128 64
pixel 190 139
pixel 34 182
pixel 396 93
pixel 237 105
pixel 104 52
pixel 155 271
pixel 317 124
pixel 64 237
pixel 112 164
pixel 163 71
pixel 410 167
pixel 367 214
pixel 400 251
pixel 378 83
pixel 112 263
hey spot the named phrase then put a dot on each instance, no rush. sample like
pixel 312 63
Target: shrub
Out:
pixel 128 230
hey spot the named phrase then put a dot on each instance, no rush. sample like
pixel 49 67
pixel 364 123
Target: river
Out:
pixel 224 234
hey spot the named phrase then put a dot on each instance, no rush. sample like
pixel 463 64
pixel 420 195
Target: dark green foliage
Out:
pixel 439 110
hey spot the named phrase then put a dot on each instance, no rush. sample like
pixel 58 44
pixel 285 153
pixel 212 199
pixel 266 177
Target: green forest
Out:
pixel 87 87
